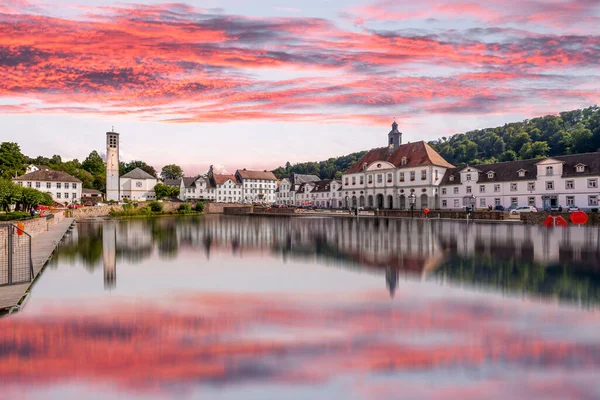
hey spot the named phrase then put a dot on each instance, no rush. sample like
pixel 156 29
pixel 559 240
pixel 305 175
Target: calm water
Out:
pixel 309 308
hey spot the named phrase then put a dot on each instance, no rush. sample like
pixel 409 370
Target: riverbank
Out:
pixel 43 245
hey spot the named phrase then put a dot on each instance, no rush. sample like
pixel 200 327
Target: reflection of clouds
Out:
pixel 228 339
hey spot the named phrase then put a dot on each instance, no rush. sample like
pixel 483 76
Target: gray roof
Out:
pixel 138 173
pixel 298 179
pixel 47 175
pixel 189 181
pixel 172 182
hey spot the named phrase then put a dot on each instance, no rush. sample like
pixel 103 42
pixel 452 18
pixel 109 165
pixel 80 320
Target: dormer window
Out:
pixel 404 161
pixel 490 175
pixel 521 173
pixel 580 168
pixel 451 178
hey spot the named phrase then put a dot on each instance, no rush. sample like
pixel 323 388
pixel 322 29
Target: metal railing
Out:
pixel 16 264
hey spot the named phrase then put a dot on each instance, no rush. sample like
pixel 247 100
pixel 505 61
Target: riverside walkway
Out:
pixel 42 247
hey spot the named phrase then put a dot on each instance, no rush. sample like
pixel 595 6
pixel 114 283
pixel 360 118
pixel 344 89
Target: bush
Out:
pixel 13 216
pixel 184 208
pixel 199 206
pixel 155 206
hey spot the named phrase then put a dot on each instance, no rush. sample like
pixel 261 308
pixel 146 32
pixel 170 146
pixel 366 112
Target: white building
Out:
pixel 565 181
pixel 193 188
pixel 285 193
pixel 257 186
pixel 387 177
pixel 63 188
pixel 228 188
pixel 137 185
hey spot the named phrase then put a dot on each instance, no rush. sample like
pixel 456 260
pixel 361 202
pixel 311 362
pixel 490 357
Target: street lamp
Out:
pixel 412 198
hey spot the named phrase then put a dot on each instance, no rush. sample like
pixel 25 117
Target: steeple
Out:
pixel 394 137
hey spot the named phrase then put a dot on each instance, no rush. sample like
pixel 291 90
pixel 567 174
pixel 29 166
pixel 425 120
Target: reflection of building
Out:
pixel 109 254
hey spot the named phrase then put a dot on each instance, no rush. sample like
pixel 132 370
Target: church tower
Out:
pixel 394 137
pixel 112 167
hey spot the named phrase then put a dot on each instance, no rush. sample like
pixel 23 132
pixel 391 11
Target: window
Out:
pixel 58 185
pixel 403 160
pixel 66 195
pixel 496 201
pixel 389 178
pixel 38 184
pixel 444 203
pixel 28 184
pixel 362 180
pixel 451 178
pixel 550 185
pixel 496 188
pixel 412 175
pixel 570 184
pixel 482 189
pixel 58 195
pixel 455 190
pixel 468 189
pixel 74 195
pixel 436 175
pixel 456 204
pixel 401 176
pixel 549 171
pixel 580 168
pixel 66 185
pixel 468 177
pixel 346 181
pixel 531 186
pixel 481 202
pixel 593 200
pixel 370 178
pixel 513 187
pixel 592 183
pixel 514 201
pixel 490 175
pixel 531 201
pixel 521 173
pixel 379 178
pixel 443 190
pixel 423 174
pixel 570 201
pixel 48 185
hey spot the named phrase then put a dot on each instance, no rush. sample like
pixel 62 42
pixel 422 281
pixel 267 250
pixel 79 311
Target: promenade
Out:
pixel 42 247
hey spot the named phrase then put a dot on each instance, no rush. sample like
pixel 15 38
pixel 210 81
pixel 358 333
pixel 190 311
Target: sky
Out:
pixel 253 84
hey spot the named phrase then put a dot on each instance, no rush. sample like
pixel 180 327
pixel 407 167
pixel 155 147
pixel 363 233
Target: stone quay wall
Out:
pixel 98 212
pixel 445 214
pixel 36 226
pixel 537 218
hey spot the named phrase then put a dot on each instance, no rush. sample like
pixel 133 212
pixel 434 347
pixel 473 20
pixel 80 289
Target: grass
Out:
pixel 152 210
pixel 15 216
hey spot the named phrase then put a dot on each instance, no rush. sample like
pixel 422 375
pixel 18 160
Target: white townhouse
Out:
pixel 228 188
pixel 137 185
pixel 389 177
pixel 63 188
pixel 257 185
pixel 567 181
pixel 196 188
pixel 327 194
pixel 286 192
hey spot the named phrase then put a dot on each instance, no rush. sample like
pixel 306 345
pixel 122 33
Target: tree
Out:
pixel 130 166
pixel 508 155
pixel 172 171
pixel 161 190
pixel 94 164
pixel 10 194
pixel 12 161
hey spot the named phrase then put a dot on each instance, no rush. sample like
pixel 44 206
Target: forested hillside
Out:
pixel 570 132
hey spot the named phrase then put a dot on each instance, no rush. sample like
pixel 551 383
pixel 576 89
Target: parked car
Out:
pixel 71 206
pixel 499 208
pixel 574 208
pixel 88 204
pixel 522 209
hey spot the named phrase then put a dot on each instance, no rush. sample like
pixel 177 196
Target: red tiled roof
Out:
pixel 266 175
pixel 221 179
pixel 417 154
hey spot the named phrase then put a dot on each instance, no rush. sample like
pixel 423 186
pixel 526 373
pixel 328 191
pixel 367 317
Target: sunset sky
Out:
pixel 239 83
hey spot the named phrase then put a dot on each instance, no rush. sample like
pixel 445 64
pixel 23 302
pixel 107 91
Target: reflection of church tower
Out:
pixel 109 254
pixel 391 279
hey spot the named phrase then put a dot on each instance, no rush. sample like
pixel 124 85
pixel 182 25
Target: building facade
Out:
pixel 63 188
pixel 414 173
pixel 561 181
pixel 137 185
pixel 257 186
pixel 228 188
pixel 285 193
pixel 112 167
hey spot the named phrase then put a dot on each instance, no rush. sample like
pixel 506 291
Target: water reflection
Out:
pixel 559 263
